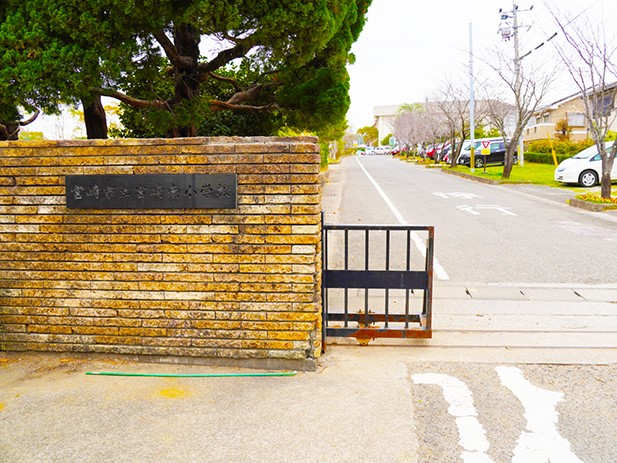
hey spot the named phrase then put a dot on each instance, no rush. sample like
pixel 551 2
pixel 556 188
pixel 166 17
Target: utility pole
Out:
pixel 506 33
pixel 517 77
pixel 472 121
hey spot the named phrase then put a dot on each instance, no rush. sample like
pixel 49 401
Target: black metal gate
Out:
pixel 362 260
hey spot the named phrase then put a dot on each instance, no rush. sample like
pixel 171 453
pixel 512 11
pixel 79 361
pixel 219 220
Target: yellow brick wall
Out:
pixel 238 283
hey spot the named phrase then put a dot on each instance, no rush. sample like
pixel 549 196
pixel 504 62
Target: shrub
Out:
pixel 565 147
pixel 544 158
pixel 324 149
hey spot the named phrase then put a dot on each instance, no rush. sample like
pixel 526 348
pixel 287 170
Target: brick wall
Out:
pixel 196 283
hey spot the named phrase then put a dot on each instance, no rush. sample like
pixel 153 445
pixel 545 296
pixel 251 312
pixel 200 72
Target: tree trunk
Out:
pixel 605 181
pixel 605 185
pixel 9 131
pixel 187 82
pixel 454 154
pixel 509 160
pixel 511 148
pixel 95 118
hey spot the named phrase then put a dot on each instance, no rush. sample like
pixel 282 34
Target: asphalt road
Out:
pixel 521 365
pixel 484 233
pixel 518 272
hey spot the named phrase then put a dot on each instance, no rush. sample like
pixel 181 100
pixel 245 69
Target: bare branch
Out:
pixel 251 94
pixel 31 119
pixel 181 62
pixel 217 105
pixel 228 80
pixel 225 56
pixel 134 102
pixel 589 59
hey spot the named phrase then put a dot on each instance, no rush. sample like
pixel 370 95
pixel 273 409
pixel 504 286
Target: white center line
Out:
pixel 439 270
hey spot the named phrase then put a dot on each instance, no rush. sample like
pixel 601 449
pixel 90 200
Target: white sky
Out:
pixel 407 47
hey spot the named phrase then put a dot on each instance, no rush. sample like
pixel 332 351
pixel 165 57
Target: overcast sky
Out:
pixel 407 47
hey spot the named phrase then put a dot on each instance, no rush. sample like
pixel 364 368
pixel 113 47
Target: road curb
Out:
pixel 594 207
pixel 471 177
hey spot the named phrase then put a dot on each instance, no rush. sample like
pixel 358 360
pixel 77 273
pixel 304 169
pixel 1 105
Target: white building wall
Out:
pixel 385 116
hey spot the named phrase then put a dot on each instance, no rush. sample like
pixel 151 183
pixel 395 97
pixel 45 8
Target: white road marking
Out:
pixel 471 433
pixel 439 270
pixel 467 208
pixel 541 442
pixel 457 195
pixel 474 209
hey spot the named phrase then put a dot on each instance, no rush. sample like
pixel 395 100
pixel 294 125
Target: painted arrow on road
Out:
pixel 474 209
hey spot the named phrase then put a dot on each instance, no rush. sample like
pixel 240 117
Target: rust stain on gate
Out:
pixel 356 264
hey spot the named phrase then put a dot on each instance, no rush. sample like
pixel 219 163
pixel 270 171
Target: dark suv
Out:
pixel 496 156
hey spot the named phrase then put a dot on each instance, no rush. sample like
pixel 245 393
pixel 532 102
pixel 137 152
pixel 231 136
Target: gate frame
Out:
pixel 378 279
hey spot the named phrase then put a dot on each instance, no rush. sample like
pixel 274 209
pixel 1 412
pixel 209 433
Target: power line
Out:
pixel 542 44
pixel 556 33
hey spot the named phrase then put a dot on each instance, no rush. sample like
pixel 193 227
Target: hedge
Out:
pixel 544 158
pixel 569 148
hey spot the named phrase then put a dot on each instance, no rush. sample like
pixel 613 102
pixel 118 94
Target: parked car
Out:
pixel 382 150
pixel 431 151
pixel 445 152
pixel 449 150
pixel 584 168
pixel 497 153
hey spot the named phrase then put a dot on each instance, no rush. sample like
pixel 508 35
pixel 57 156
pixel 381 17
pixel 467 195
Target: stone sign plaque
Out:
pixel 152 191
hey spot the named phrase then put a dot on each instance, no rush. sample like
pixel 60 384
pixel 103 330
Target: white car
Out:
pixel 585 168
pixel 382 150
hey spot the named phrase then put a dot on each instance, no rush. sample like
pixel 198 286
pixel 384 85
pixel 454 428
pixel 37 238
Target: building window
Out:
pixel 576 119
pixel 545 118
pixel 603 105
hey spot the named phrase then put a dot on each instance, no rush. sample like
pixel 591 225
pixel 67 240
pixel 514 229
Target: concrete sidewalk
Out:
pixel 356 408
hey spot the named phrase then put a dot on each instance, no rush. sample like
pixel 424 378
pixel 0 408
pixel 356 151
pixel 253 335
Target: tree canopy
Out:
pixel 175 64
pixel 370 134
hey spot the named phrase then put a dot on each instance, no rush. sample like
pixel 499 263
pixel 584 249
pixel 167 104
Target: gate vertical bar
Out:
pixel 387 303
pixel 428 292
pixel 366 267
pixel 407 267
pixel 324 283
pixel 346 268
